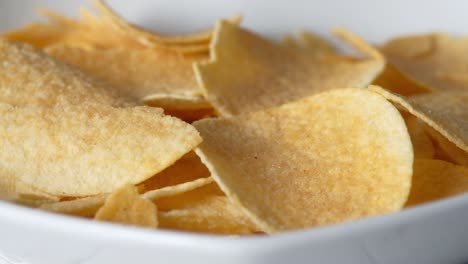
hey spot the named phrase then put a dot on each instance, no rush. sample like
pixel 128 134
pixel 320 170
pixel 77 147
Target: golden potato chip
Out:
pixel 89 149
pixel 84 207
pixel 186 169
pixel 310 43
pixel 214 214
pixel 28 77
pixel 422 144
pixel 446 112
pixel 125 206
pixel 336 156
pixel 37 34
pixel 177 189
pixel 151 39
pixel 139 73
pixel 393 80
pixel 436 61
pixel 436 179
pixel 248 73
pixel 447 150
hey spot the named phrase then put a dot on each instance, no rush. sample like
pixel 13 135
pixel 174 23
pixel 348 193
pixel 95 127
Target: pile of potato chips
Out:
pixel 224 131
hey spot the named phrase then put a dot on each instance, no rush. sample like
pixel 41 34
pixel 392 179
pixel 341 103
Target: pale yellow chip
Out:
pixel 247 73
pixel 422 144
pixel 446 150
pixel 125 206
pixel 436 179
pixel 213 214
pixel 333 157
pixel 446 112
pixel 89 149
pixel 152 39
pixel 84 207
pixel 310 43
pixel 435 61
pixel 29 77
pixel 177 189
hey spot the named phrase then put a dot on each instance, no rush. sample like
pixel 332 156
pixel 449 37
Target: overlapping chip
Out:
pixel 125 206
pixel 436 179
pixel 333 157
pixel 28 77
pixel 446 112
pixel 247 72
pixel 288 148
pixel 89 149
pixel 436 61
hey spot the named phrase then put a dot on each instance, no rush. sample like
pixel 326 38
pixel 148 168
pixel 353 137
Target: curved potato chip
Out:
pixel 422 144
pixel 150 38
pixel 436 61
pixel 84 207
pixel 28 77
pixel 176 189
pixel 39 35
pixel 125 206
pixel 310 43
pixel 139 73
pixel 436 179
pixel 446 112
pixel 247 73
pixel 448 150
pixel 213 214
pixel 336 156
pixel 89 149
pixel 393 80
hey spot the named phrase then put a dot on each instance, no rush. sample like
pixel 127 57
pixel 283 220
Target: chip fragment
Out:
pixel 89 149
pixel 213 214
pixel 28 77
pixel 446 112
pixel 439 62
pixel 125 206
pixel 247 73
pixel 436 179
pixel 336 156
pixel 309 43
pixel 84 207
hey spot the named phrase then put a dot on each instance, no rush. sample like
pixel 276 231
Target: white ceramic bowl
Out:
pixel 433 233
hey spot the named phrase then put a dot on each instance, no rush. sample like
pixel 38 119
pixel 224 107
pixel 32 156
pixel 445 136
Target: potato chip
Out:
pixel 37 34
pixel 422 144
pixel 248 73
pixel 186 169
pixel 184 199
pixel 309 43
pixel 84 207
pixel 336 156
pixel 436 61
pixel 447 150
pixel 89 149
pixel 28 77
pixel 214 214
pixel 436 179
pixel 446 112
pixel 151 39
pixel 394 81
pixel 177 189
pixel 138 73
pixel 125 206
